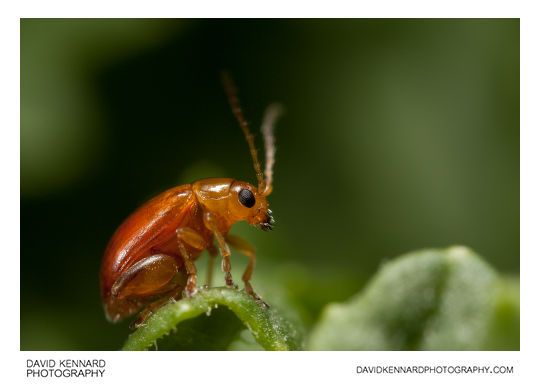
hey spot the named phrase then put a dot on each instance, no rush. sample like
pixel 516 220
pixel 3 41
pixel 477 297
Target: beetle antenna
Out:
pixel 237 111
pixel 273 112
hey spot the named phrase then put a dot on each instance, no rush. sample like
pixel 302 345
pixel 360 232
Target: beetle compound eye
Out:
pixel 246 198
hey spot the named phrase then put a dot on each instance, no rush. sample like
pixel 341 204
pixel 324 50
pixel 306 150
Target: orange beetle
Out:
pixel 150 258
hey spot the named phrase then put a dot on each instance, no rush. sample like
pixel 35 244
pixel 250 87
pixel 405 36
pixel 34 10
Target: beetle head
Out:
pixel 247 203
pixel 232 200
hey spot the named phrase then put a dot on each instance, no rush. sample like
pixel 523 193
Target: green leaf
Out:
pixel 427 300
pixel 211 320
pixel 504 328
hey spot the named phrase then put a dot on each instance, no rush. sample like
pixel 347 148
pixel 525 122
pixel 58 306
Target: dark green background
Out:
pixel 398 135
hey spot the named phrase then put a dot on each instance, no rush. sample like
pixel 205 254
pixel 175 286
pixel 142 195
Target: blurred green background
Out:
pixel 398 135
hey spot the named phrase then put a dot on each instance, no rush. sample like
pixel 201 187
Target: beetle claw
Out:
pixel 260 301
pixel 229 281
pixel 140 321
pixel 191 292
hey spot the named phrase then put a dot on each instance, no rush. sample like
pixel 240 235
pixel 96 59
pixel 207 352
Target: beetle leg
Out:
pixel 149 275
pixel 151 308
pixel 192 238
pixel 246 248
pixel 212 251
pixel 223 249
pixel 153 275
pixel 191 283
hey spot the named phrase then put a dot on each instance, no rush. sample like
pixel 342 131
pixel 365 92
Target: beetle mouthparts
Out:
pixel 268 224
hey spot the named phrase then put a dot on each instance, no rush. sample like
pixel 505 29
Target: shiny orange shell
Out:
pixel 152 225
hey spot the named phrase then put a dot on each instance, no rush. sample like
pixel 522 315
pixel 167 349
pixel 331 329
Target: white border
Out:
pixel 268 366
pixel 276 367
pixel 275 8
